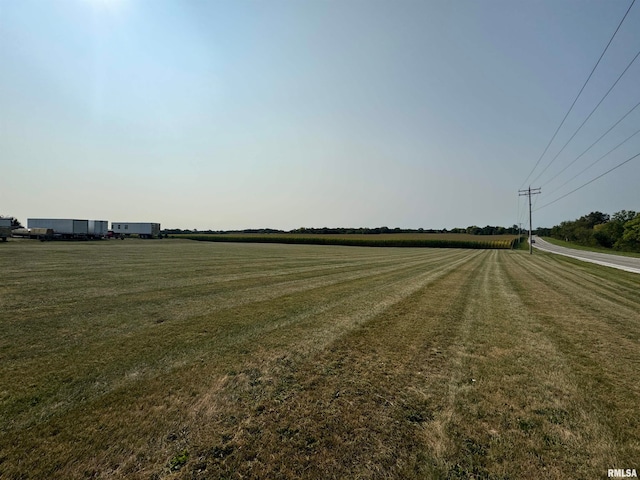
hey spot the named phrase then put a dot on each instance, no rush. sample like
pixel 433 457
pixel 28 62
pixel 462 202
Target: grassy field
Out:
pixel 177 359
pixel 432 240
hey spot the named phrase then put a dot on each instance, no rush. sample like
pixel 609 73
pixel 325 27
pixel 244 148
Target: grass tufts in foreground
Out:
pixel 204 360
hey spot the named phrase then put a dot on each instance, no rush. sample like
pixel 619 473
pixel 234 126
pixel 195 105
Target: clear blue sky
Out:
pixel 282 114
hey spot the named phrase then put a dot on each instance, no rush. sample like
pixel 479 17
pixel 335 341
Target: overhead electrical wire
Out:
pixel 590 181
pixel 597 160
pixel 579 93
pixel 592 145
pixel 588 117
pixel 523 211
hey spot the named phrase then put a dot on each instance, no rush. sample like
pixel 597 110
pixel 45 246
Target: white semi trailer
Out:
pixel 62 227
pixel 98 228
pixel 141 229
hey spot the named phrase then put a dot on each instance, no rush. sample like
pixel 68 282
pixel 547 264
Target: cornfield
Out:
pixel 430 240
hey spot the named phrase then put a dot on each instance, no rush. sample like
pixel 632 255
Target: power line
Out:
pixel 521 211
pixel 588 117
pixel 579 93
pixel 591 146
pixel 597 160
pixel 590 181
pixel 535 202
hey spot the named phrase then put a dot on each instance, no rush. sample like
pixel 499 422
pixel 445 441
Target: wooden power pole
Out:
pixel 528 192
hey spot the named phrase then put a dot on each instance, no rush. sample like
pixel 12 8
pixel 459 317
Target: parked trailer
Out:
pixel 37 233
pixel 141 229
pixel 98 228
pixel 5 228
pixel 62 227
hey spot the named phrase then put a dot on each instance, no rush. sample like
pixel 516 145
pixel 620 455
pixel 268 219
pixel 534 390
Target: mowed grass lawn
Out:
pixel 178 359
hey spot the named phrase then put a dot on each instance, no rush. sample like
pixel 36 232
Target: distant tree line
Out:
pixel 473 230
pixel 15 223
pixel 177 231
pixel 620 231
pixel 488 230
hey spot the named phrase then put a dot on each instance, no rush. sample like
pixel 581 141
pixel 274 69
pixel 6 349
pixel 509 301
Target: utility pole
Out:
pixel 519 233
pixel 528 192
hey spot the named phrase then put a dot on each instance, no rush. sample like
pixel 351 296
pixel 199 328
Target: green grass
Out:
pixel 523 244
pixel 432 240
pixel 562 243
pixel 179 359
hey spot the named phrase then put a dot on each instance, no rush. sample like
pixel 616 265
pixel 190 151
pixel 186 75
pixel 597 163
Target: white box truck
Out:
pixel 62 227
pixel 141 229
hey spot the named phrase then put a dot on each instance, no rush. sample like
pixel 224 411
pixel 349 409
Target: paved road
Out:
pixel 630 264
